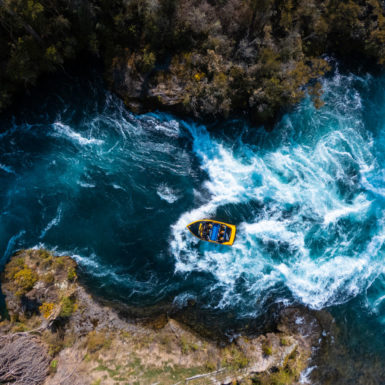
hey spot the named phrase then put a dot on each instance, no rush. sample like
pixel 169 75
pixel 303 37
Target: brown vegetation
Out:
pixel 23 360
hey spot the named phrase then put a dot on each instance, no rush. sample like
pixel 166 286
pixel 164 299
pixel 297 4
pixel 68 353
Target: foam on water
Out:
pixel 6 169
pixel 66 131
pixel 311 228
pixel 54 222
pixel 167 193
pixel 83 176
pixel 117 190
pixel 86 185
pixel 305 375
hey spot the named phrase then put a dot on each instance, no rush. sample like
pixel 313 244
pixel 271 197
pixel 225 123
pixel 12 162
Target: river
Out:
pixel 82 175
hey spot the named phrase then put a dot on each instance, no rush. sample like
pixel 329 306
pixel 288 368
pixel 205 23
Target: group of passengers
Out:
pixel 206 231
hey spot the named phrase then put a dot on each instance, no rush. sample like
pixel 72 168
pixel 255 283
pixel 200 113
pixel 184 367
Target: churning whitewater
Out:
pixel 116 190
pixel 314 221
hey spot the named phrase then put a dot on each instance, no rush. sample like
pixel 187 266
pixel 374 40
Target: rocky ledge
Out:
pixel 57 333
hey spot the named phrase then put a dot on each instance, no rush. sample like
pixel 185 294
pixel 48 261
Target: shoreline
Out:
pixel 48 307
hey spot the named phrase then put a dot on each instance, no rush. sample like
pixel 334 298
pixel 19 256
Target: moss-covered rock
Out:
pixel 36 282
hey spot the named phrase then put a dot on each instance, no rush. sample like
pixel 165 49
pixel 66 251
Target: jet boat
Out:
pixel 213 231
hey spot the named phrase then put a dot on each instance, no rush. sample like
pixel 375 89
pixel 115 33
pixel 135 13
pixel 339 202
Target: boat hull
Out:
pixel 213 231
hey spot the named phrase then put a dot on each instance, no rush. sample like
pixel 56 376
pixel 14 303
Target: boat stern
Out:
pixel 232 235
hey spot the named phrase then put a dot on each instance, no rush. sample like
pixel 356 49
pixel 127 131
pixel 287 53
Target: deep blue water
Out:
pixel 82 175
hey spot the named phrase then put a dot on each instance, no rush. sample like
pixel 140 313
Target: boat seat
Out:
pixel 214 232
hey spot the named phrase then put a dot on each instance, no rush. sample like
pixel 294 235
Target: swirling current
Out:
pixel 82 175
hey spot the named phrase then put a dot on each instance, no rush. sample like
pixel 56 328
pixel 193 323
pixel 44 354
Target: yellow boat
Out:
pixel 213 231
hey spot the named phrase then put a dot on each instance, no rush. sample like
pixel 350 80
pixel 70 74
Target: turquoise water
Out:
pixel 82 175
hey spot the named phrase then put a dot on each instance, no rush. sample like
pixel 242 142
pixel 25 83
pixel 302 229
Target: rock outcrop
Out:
pixel 76 340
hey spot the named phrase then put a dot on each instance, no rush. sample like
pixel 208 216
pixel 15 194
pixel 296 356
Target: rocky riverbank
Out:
pixel 207 59
pixel 57 333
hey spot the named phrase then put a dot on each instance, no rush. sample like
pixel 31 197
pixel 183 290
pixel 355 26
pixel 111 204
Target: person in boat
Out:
pixel 221 235
pixel 207 229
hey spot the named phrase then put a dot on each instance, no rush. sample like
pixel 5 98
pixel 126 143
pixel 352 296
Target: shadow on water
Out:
pixel 355 354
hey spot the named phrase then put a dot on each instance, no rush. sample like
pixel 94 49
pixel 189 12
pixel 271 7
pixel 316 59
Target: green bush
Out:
pixel 71 275
pixel 267 350
pixel 187 346
pixel 53 366
pixel 234 358
pixel 68 306
pixel 44 254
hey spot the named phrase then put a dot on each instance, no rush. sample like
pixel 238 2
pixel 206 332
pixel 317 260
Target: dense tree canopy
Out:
pixel 204 57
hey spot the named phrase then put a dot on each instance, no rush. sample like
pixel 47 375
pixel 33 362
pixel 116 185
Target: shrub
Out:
pixel 46 309
pixel 267 350
pixel 58 263
pixel 19 327
pixel 13 267
pixel 68 306
pixel 46 258
pixel 187 346
pixel 71 275
pixel 53 366
pixel 148 60
pixel 282 377
pixel 69 340
pixel 25 279
pixel 199 76
pixel 240 360
pixel 44 254
pixel 234 358
pixel 54 342
pixel 211 365
pixel 97 341
pixel 46 263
